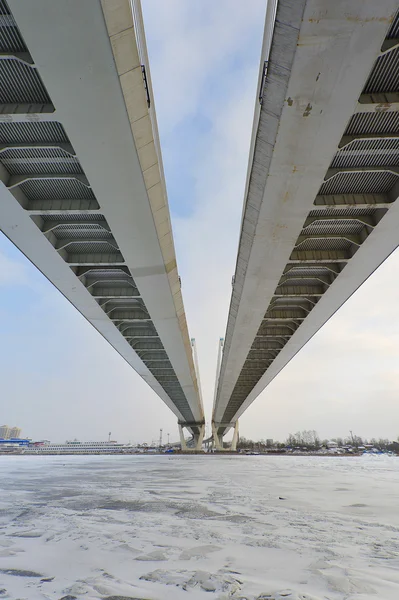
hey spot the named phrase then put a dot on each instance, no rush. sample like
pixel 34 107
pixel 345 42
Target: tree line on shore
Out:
pixel 310 440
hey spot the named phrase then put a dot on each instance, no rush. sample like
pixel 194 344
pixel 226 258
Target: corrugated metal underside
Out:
pixel 48 181
pixel 353 198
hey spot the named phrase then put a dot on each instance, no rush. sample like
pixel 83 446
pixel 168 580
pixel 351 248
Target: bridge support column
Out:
pixel 235 438
pixel 218 438
pixel 198 436
pixel 183 444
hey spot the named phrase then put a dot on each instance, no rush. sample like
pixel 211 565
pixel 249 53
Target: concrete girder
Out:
pixel 352 238
pixel 275 329
pixel 279 168
pixel 254 371
pixel 380 103
pixel 251 375
pixel 150 344
pixel 367 220
pixel 347 140
pixel 257 365
pixel 157 353
pixel 166 378
pixel 130 320
pixel 17 180
pixel 299 290
pixel 85 270
pixel 28 112
pixel 126 311
pixel 153 359
pixel 94 259
pixel 114 292
pixel 250 379
pixel 160 372
pixel 81 61
pixel 389 45
pixel 352 201
pixel 275 325
pixel 125 304
pixel 300 302
pixel 260 344
pixel 108 283
pixel 286 313
pixel 334 172
pixel 61 243
pixel 260 354
pixel 65 162
pixel 55 224
pixel 286 280
pixel 67 206
pixel 22 57
pixel 283 319
pixel 282 337
pixel 322 256
pixel 120 279
pixel 293 323
pixel 138 331
pixel 334 269
pixel 67 147
pixel 140 337
pixel 159 365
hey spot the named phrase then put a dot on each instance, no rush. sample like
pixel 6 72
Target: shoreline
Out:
pixel 194 453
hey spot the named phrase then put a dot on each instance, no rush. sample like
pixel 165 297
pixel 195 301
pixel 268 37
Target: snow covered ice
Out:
pixel 195 527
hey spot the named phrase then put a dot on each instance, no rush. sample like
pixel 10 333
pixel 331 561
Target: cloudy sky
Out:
pixel 59 379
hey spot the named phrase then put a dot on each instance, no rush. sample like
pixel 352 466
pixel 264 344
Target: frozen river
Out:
pixel 194 527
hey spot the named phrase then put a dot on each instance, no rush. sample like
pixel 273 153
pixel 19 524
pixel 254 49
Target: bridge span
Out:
pixel 320 211
pixel 82 189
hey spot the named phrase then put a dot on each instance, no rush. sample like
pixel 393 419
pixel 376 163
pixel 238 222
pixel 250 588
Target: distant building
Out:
pixel 15 432
pixel 269 443
pixel 4 432
pixel 13 442
pixel 330 445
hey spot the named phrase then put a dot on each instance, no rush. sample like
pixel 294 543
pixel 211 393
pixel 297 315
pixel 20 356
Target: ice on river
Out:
pixel 195 527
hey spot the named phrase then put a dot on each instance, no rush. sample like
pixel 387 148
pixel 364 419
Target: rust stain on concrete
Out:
pixel 383 107
pixel 307 110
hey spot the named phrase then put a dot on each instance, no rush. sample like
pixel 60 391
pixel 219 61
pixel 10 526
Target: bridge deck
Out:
pixel 319 212
pixel 82 187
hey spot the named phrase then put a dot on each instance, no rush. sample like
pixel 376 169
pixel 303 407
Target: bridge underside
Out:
pixel 320 212
pixel 82 191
